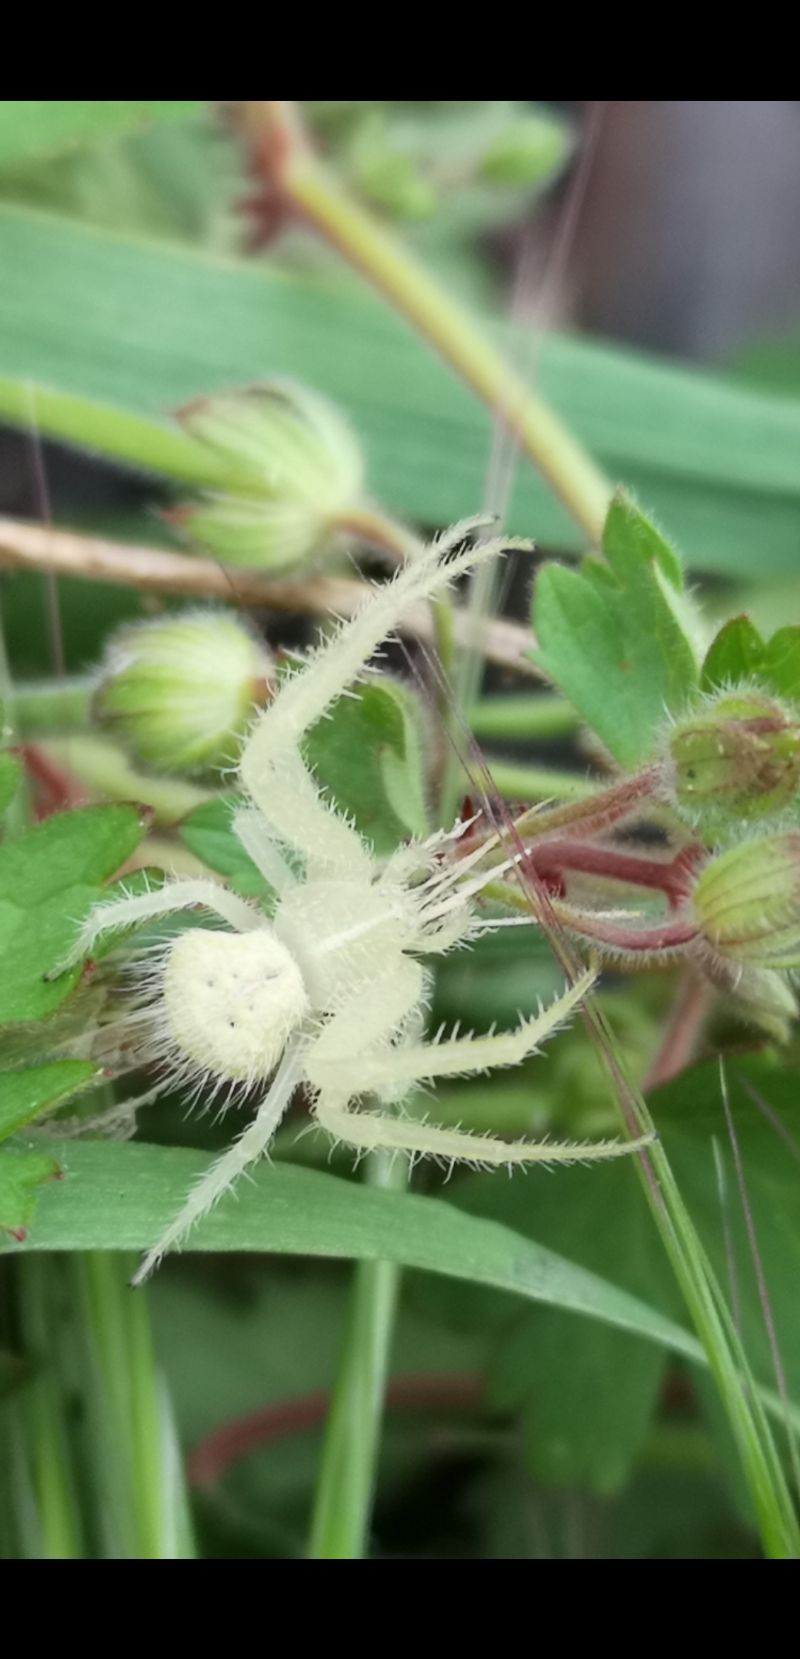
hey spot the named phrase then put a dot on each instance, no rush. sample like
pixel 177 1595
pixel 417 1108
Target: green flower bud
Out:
pixel 296 473
pixel 180 692
pixel 765 1000
pixel 527 152
pixel 747 903
pixel 388 175
pixel 737 758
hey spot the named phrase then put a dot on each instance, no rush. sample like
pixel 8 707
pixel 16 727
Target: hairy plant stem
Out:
pixel 283 154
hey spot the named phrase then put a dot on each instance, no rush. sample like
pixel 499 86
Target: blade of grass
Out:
pixel 150 326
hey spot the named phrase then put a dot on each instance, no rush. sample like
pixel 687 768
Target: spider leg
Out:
pixel 396 1070
pixel 271 766
pixel 254 835
pixel 374 1131
pixel 111 914
pixel 225 1171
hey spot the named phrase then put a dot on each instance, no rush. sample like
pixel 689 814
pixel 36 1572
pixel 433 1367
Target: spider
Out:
pixel 329 992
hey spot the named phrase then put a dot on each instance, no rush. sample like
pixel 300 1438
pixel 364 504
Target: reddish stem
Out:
pixel 683 1033
pixel 228 1445
pixel 673 878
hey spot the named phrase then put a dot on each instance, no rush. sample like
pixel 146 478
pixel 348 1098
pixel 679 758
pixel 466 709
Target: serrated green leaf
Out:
pixel 49 879
pixel 736 654
pixel 614 636
pixel 22 1175
pixel 369 755
pixel 10 780
pixel 35 127
pixel 152 326
pixel 29 1094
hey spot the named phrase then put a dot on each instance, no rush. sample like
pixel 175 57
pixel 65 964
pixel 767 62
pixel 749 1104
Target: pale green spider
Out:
pixel 329 992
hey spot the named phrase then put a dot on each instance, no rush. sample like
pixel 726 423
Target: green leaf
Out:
pixel 587 1394
pixel 208 833
pixel 740 653
pixel 369 755
pixel 736 654
pixel 49 879
pixel 613 636
pixel 45 126
pixel 118 1197
pixel 30 1094
pixel 152 326
pixel 22 1174
pixel 10 779
pixel 781 665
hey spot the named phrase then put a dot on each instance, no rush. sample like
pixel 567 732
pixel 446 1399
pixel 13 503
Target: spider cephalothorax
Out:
pixel 330 991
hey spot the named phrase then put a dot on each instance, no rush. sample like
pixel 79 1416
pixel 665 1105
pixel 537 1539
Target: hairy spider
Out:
pixel 329 992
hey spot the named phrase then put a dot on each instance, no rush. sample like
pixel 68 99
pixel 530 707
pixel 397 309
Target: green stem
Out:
pixel 319 198
pixel 41 706
pixel 537 783
pixel 345 1491
pixel 134 441
pixel 523 719
pixel 45 1484
pixel 138 1478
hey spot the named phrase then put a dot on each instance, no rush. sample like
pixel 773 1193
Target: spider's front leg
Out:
pixel 272 769
pixel 111 914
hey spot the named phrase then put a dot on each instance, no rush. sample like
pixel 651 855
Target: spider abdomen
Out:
pixel 231 1001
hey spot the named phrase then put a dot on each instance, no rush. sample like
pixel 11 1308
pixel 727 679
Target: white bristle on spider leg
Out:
pixel 328 992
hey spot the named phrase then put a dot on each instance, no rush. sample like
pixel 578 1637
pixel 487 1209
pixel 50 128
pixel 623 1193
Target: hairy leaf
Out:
pixel 49 879
pixel 613 636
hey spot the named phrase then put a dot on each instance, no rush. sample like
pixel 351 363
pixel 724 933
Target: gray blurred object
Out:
pixel 690 234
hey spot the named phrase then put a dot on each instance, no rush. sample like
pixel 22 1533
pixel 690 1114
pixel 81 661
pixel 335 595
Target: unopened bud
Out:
pixel 180 692
pixel 737 758
pixel 747 903
pixel 527 152
pixel 296 472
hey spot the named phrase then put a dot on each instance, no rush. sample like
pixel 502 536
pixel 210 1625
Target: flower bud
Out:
pixel 180 691
pixel 296 472
pixel 528 151
pixel 747 903
pixel 737 758
pixel 389 175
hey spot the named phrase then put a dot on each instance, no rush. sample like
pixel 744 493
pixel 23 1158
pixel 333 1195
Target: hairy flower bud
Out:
pixel 736 758
pixel 296 471
pixel 747 903
pixel 180 691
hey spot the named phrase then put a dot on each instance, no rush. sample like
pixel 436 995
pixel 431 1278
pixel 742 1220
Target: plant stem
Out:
pixel 520 719
pixel 343 1504
pixel 284 154
pixel 138 1479
pixel 45 1485
pixel 90 558
pixel 41 706
pixel 537 783
pixel 132 440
